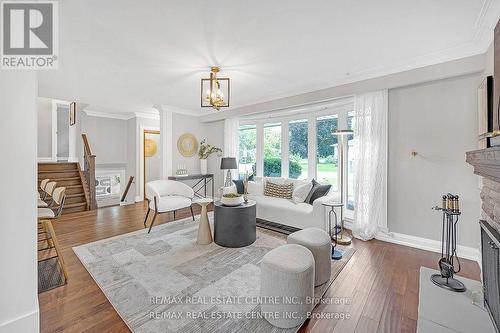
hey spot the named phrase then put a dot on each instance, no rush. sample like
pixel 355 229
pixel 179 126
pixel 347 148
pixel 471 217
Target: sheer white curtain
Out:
pixel 231 141
pixel 370 144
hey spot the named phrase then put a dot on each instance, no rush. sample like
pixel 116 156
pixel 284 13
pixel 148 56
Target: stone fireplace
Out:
pixel 486 163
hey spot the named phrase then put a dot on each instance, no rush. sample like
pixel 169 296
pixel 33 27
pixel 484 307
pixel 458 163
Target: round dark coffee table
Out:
pixel 234 226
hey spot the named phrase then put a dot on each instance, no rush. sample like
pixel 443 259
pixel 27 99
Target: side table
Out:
pixel 204 231
pixel 336 253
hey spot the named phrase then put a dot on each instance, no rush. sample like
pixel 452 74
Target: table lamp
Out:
pixel 228 163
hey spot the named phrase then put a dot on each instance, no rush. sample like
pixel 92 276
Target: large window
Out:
pixel 272 150
pixel 302 146
pixel 248 150
pixel 327 150
pixel 297 149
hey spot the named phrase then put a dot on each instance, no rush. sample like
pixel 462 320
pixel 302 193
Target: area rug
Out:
pixel 165 282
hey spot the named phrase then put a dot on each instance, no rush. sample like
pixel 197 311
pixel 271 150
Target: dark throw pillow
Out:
pixel 311 192
pixel 317 191
pixel 240 187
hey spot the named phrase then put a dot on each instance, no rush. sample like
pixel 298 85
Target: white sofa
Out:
pixel 284 211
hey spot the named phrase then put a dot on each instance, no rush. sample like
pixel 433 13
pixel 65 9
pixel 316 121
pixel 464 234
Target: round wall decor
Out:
pixel 187 145
pixel 150 147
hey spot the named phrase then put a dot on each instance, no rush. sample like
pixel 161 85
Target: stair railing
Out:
pixel 89 172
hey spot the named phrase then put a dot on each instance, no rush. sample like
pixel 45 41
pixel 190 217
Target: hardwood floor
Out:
pixel 377 291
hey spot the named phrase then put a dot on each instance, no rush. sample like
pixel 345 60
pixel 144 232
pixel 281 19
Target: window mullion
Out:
pixel 260 150
pixel 284 149
pixel 311 147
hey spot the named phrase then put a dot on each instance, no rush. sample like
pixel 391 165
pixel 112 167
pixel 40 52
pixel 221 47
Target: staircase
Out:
pixel 70 176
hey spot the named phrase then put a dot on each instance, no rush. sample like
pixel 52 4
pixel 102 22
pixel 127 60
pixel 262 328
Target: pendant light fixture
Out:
pixel 215 91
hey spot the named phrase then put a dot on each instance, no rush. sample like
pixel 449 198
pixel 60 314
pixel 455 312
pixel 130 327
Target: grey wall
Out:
pixel 185 124
pixel 44 109
pixel 439 121
pixel 62 132
pixel 214 132
pixel 107 138
pixel 131 159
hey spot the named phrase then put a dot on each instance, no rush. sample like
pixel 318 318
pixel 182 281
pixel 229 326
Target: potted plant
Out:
pixel 204 152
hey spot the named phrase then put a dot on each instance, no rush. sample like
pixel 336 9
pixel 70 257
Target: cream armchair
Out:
pixel 165 196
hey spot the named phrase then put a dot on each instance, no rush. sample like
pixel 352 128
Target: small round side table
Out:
pixel 336 253
pixel 204 231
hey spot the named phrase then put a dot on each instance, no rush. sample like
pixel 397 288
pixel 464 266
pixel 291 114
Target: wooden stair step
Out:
pixel 56 171
pixel 68 181
pixel 75 198
pixel 74 195
pixel 74 189
pixel 57 174
pixel 57 166
pixel 74 207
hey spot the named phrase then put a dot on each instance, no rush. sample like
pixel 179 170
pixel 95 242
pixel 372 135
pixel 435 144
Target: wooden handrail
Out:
pixel 89 172
pixel 86 146
pixel 129 183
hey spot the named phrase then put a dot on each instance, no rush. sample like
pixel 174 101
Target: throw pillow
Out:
pixel 317 191
pixel 311 192
pixel 321 191
pixel 300 192
pixel 240 187
pixel 278 190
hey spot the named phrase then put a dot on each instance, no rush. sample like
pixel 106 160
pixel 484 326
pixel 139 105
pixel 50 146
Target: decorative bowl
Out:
pixel 231 199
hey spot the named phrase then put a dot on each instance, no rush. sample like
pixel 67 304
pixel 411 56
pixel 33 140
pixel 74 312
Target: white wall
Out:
pixel 18 227
pixel 44 109
pixel 439 121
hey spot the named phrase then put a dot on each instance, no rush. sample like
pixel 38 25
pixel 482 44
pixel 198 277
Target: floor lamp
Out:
pixel 341 135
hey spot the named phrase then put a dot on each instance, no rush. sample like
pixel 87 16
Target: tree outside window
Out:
pixel 326 153
pixel 248 149
pixel 272 150
pixel 298 164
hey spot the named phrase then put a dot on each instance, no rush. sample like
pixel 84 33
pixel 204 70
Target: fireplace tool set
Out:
pixel 449 264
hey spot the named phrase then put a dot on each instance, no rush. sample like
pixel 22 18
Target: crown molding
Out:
pixel 112 115
pixel 147 115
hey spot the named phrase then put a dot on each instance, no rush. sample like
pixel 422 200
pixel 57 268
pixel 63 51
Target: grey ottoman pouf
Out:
pixel 287 285
pixel 318 241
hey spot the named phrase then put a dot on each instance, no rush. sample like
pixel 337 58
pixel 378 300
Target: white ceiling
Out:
pixel 130 55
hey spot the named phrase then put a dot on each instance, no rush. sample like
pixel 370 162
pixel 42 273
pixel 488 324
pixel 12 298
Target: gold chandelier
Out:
pixel 215 91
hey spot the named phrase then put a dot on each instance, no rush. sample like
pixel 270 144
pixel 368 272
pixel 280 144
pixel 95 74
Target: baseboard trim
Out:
pixel 138 199
pixel 25 323
pixel 427 244
pixel 46 159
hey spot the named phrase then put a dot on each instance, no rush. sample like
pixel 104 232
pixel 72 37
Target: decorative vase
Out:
pixel 203 166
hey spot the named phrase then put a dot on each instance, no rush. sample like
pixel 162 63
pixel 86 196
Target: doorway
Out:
pixel 151 156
